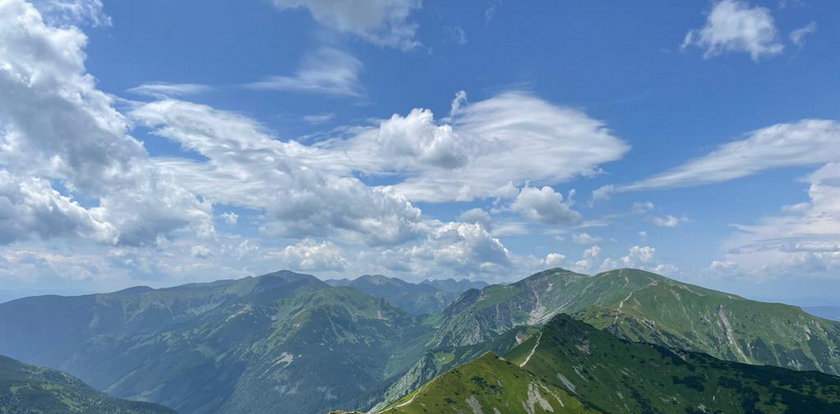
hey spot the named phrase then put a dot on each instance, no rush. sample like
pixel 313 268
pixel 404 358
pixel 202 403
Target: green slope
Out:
pixel 437 360
pixel 590 370
pixel 488 384
pixel 29 389
pixel 639 306
pixel 726 326
pixel 618 376
pixel 282 342
pixel 414 298
pixel 643 306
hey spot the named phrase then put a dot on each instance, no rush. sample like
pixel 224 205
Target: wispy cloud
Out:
pixel 381 22
pixel 326 71
pixel 807 142
pixel 162 90
pixel 798 36
pixel 315 119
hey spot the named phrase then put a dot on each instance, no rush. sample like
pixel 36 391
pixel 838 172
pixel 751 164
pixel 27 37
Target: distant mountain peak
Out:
pixel 378 279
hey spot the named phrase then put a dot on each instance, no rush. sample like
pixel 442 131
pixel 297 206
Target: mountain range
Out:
pixel 290 343
pixel 634 305
pixel 426 297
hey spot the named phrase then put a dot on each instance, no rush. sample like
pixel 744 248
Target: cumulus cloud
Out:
pixel 310 255
pixel 29 206
pixel 554 259
pixel 55 125
pixel 643 257
pixel 545 205
pixel 476 215
pixel 486 149
pixel 230 217
pixel 71 172
pixel 666 221
pixel 247 167
pixel 326 71
pixel 592 252
pixel 466 247
pixel 411 143
pixel 585 238
pixel 734 26
pixel 638 255
pixel 381 22
pixel 807 142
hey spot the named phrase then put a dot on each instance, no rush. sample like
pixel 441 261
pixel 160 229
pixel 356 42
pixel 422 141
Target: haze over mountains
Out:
pixel 289 342
pixel 428 296
pixel 29 389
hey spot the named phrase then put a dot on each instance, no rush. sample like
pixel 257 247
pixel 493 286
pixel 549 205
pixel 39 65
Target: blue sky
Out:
pixel 163 142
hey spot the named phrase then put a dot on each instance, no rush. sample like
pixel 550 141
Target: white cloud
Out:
pixel 29 206
pixel 466 247
pixel 545 205
pixel 326 71
pixel 476 215
pixel 201 252
pixel 585 238
pixel 554 259
pixel 315 119
pixel 641 257
pixel 230 217
pixel 310 255
pixel 412 142
pixel 805 240
pixel 734 26
pixel 638 256
pixel 55 126
pixel 667 221
pixel 489 148
pixel 292 182
pixel 797 36
pixel 381 22
pixel 592 252
pixel 807 142
pixel 72 12
pixel 162 90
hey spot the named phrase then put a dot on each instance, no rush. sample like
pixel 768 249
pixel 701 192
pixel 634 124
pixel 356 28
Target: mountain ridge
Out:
pixel 27 388
pixel 571 367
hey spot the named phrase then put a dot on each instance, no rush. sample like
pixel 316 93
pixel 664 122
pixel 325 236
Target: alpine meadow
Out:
pixel 419 207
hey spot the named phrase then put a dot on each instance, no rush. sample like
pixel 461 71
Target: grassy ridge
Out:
pixel 29 389
pixel 570 366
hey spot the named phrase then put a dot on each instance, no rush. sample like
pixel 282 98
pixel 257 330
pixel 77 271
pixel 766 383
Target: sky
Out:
pixel 159 143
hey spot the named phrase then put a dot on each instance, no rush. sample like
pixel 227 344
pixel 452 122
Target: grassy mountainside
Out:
pixel 570 366
pixel 492 385
pixel 635 305
pixel 414 298
pixel 643 306
pixel 282 342
pixel 438 360
pixel 456 286
pixel 29 389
